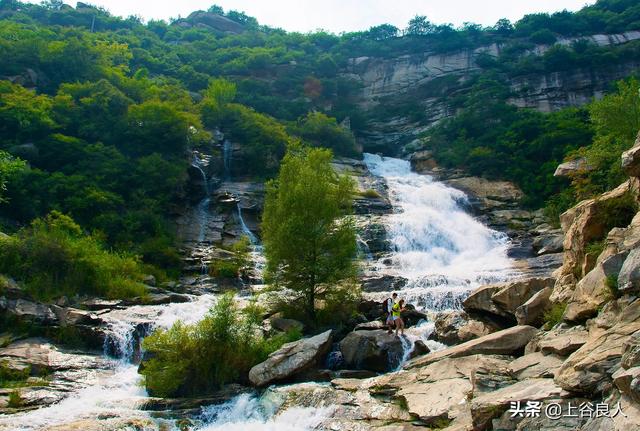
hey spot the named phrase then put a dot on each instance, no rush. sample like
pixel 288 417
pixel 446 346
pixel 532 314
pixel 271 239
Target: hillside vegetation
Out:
pixel 98 114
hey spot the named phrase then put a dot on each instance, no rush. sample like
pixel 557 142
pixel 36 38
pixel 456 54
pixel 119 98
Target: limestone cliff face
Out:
pixel 427 79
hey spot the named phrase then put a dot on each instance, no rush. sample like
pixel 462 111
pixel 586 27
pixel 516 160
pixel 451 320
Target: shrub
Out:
pixel 553 315
pixel 188 360
pixel 53 258
pixel 231 268
pixel 617 212
pixel 15 400
pixel 612 284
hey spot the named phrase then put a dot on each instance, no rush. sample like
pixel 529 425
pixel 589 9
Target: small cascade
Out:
pixel 251 413
pixel 257 251
pixel 420 332
pixel 226 159
pixel 200 162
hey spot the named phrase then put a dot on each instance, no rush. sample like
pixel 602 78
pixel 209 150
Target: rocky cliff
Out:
pixel 425 81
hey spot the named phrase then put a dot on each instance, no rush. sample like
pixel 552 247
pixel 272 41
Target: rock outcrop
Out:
pixel 291 359
pixel 374 350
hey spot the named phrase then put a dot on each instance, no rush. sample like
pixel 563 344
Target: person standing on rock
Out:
pixel 388 309
pixel 396 315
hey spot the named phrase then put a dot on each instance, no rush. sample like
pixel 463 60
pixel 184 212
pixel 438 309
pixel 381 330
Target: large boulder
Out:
pixel 532 311
pixel 628 382
pixel 454 327
pixel 291 359
pixel 503 299
pixel 631 351
pixel 506 342
pixel 374 350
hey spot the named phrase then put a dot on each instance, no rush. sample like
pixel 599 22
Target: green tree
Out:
pixel 8 166
pixel 309 238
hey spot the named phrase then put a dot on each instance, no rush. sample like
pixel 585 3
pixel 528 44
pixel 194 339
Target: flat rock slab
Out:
pixel 535 365
pixel 563 342
pixel 436 400
pixel 505 342
pixel 492 404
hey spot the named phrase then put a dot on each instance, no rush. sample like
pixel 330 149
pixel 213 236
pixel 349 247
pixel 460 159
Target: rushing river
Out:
pixel 440 250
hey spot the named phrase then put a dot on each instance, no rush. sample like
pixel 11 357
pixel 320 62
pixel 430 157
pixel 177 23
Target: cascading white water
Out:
pixel 203 206
pixel 118 395
pixel 440 249
pixel 250 413
pixel 226 159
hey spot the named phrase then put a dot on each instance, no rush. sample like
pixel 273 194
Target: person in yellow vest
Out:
pixel 396 314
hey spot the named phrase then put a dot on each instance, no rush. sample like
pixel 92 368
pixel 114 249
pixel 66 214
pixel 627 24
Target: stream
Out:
pixel 439 249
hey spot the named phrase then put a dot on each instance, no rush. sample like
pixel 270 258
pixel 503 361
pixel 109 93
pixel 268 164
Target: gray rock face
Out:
pixel 535 365
pixel 291 359
pixel 571 167
pixel 505 342
pixel 371 350
pixel 456 327
pixel 563 342
pixel 589 369
pixel 629 276
pixel 631 160
pixel 628 382
pixel 29 311
pixel 631 351
pixel 532 311
pixel 504 299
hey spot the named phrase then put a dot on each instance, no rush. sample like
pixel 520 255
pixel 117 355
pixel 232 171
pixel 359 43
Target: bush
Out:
pixel 189 360
pixel 553 315
pixel 53 258
pixel 232 268
pixel 370 193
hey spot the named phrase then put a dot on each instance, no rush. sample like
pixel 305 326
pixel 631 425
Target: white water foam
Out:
pixel 119 395
pixel 440 249
pixel 250 413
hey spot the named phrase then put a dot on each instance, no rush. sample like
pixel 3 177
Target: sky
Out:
pixel 345 15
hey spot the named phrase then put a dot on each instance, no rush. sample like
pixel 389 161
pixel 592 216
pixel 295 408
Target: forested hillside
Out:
pixel 104 111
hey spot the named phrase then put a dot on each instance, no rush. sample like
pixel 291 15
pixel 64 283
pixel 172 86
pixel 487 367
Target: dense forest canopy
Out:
pixel 98 113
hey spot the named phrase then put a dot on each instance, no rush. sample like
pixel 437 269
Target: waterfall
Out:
pixel 440 249
pixel 199 163
pixel 117 394
pixel 226 159
pixel 257 251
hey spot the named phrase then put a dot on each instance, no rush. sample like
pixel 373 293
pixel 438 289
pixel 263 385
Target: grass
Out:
pixel 595 248
pixel 15 400
pixel 553 315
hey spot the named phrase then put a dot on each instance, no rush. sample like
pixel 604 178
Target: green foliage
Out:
pixel 232 268
pixel 595 248
pixel 320 130
pixel 15 400
pixel 612 284
pixel 53 258
pixel 9 165
pixel 308 240
pixel 617 212
pixel 554 314
pixel 189 360
pixel 13 378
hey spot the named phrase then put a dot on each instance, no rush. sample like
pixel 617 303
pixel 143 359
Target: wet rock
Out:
pixel 291 359
pixel 411 316
pixel 371 350
pixel 423 161
pixel 505 342
pixel 419 349
pixel 102 304
pixel 532 311
pixel 385 283
pixel 535 365
pixel 74 317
